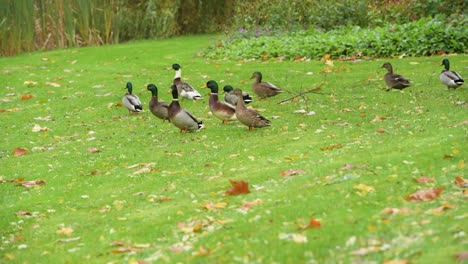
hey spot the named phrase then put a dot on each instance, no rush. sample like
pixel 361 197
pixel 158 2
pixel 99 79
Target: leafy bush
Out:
pixel 423 37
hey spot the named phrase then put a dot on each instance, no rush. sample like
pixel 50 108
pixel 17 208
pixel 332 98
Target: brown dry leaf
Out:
pixel 23 213
pixel 332 146
pixel 26 97
pixel 425 195
pixel 125 250
pixel 238 187
pixel 117 243
pixel 378 119
pixel 19 152
pixel 30 83
pixel 365 251
pixel 163 199
pixel 38 128
pixel 93 150
pixel 439 210
pixel 214 206
pixel 313 223
pixel 246 206
pixel 392 211
pixel 29 184
pixel 396 261
pixel 53 84
pixel 67 231
pixel 380 131
pixel 462 256
pixel 291 172
pixel 423 179
pixel 201 252
pixel 461 182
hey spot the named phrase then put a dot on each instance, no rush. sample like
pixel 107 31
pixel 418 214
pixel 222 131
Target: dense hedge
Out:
pixel 422 37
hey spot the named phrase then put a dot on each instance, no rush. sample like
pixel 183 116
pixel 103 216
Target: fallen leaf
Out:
pixel 26 97
pixel 30 83
pixel 365 251
pixel 29 184
pixel 378 119
pixel 67 231
pixel 396 261
pixel 461 182
pixel 213 206
pixel 363 189
pixel 93 150
pixel 291 172
pixel 38 128
pixel 332 146
pixel 125 249
pixel 117 243
pixel 425 195
pixel 462 256
pixel 392 211
pixel 23 213
pixel 314 223
pixel 19 152
pixel 298 238
pixel 246 206
pixel 239 187
pixel 52 84
pixel 439 210
pixel 380 131
pixel 423 179
pixel 68 240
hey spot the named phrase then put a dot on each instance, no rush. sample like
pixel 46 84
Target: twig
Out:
pixel 301 94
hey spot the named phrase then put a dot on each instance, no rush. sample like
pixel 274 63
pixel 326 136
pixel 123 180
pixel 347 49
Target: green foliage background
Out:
pixel 28 25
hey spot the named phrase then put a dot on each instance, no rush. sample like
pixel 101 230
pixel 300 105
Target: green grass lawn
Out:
pixel 123 188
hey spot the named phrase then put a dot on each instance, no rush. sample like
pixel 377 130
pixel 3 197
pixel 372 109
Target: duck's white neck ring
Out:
pixel 214 93
pixel 178 74
pixel 175 99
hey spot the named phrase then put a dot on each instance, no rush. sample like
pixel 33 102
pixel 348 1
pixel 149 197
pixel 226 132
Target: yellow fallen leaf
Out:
pixel 363 189
pixel 67 231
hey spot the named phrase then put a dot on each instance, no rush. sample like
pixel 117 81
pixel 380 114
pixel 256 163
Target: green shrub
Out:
pixel 422 37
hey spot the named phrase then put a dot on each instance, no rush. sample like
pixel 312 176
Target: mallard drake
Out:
pixel 222 110
pixel 450 78
pixel 263 89
pixel 184 89
pixel 158 108
pixel 393 80
pixel 131 101
pixel 247 116
pixel 180 117
pixel 231 98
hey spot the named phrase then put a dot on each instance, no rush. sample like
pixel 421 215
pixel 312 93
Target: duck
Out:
pixel 131 101
pixel 158 108
pixel 180 117
pixel 263 89
pixel 185 90
pixel 222 110
pixel 247 116
pixel 393 80
pixel 231 98
pixel 450 78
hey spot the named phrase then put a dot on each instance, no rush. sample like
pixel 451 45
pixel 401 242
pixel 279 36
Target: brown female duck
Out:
pixel 247 116
pixel 393 80
pixel 263 89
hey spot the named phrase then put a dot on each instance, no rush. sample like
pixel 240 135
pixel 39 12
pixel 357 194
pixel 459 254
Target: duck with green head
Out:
pixel 180 117
pixel 449 78
pixel 158 108
pixel 393 80
pixel 247 116
pixel 263 89
pixel 184 89
pixel 131 101
pixel 222 110
pixel 231 98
